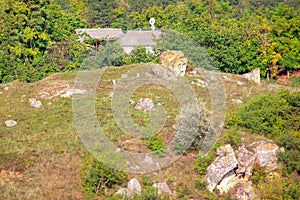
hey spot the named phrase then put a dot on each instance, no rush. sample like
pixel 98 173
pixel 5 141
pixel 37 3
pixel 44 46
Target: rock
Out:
pixel 10 123
pixel 134 186
pixel 240 83
pixel 237 101
pixel 266 152
pixel 123 192
pixel 144 104
pixel 6 88
pixel 224 164
pixel 253 75
pixel 162 188
pixel 70 92
pixel 246 161
pixel 174 61
pixel 34 103
pixel 245 191
pixel 229 181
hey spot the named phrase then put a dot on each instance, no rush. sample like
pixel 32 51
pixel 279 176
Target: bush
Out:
pixel 290 158
pixel 156 144
pixel 101 177
pixel 202 162
pixel 269 115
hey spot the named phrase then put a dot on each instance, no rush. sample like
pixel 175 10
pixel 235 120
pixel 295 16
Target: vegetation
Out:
pixel 42 156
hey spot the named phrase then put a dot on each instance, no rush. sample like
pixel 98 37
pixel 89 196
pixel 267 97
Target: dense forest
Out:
pixel 37 36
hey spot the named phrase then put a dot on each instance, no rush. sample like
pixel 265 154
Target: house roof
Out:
pixel 99 33
pixel 135 38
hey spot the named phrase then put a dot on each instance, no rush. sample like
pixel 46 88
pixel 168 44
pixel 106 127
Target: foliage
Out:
pixel 259 174
pixel 269 115
pixel 290 158
pixel 202 162
pixel 101 177
pixel 156 144
pixel 275 116
pixel 30 32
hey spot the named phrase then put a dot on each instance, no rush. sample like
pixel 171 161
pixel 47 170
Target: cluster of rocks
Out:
pixel 234 168
pixel 134 187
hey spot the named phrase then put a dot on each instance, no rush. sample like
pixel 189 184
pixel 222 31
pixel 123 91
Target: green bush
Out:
pixel 202 162
pixel 156 144
pixel 101 177
pixel 290 158
pixel 270 114
pixel 259 175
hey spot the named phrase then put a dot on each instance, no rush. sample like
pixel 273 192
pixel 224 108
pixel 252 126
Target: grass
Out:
pixel 45 149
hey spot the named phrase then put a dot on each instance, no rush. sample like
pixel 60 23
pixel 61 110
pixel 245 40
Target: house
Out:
pixel 138 38
pixel 98 33
pixel 126 40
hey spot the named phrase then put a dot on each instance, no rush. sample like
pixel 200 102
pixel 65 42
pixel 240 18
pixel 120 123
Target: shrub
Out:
pixel 101 177
pixel 269 115
pixel 290 158
pixel 202 162
pixel 156 144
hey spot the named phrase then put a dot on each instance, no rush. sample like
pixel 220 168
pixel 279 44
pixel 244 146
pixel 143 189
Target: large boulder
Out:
pixel 223 166
pixel 172 61
pixel 266 153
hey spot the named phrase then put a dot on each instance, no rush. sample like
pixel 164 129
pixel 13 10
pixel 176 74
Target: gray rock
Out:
pixel 134 186
pixel 229 181
pixel 34 103
pixel 245 192
pixel 10 123
pixel 144 105
pixel 237 101
pixel 162 188
pixel 123 192
pixel 246 161
pixel 70 92
pixel 224 163
pixel 266 153
pixel 253 75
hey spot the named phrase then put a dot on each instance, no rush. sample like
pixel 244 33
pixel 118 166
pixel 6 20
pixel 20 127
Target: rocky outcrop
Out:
pixel 234 168
pixel 223 166
pixel 246 161
pixel 266 151
pixel 175 61
pixel 173 64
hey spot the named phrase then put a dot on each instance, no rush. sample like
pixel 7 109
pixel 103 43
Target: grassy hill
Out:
pixel 42 157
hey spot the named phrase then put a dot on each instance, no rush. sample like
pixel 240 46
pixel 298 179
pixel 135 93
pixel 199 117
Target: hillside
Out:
pixel 42 156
